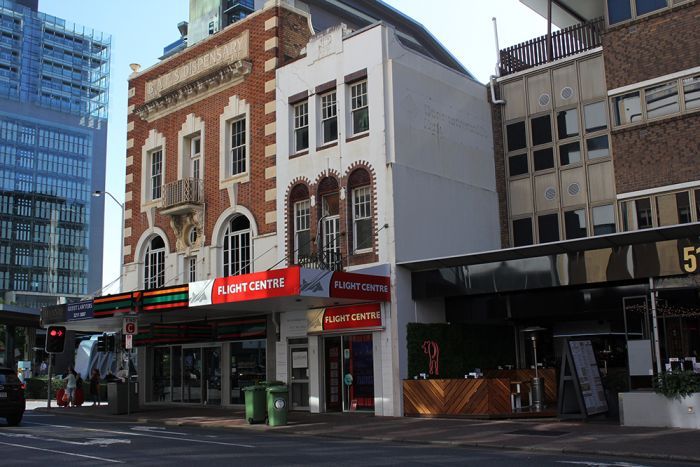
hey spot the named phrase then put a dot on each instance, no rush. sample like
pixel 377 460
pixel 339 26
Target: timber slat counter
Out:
pixel 488 396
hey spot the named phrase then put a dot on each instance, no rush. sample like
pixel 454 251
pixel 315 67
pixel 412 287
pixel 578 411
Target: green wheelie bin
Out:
pixel 277 397
pixel 254 404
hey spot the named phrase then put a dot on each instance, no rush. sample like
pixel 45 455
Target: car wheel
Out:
pixel 14 420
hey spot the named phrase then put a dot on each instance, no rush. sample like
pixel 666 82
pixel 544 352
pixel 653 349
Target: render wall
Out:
pixel 441 159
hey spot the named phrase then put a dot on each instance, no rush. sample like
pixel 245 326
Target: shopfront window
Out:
pixel 247 367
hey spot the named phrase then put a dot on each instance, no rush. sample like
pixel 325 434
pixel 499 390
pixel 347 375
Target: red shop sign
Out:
pixel 360 286
pixel 352 317
pixel 274 283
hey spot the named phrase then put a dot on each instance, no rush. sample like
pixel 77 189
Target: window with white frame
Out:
pixel 156 173
pixel 330 246
pixel 358 106
pixel 302 229
pixel 195 157
pixel 237 247
pixel 329 117
pixel 238 147
pixel 154 264
pixel 191 263
pixel 362 219
pixel 301 126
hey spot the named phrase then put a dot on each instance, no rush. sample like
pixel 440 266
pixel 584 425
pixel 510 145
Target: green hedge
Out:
pixel 462 348
pixel 36 388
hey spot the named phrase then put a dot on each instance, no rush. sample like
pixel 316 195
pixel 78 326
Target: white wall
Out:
pixel 443 172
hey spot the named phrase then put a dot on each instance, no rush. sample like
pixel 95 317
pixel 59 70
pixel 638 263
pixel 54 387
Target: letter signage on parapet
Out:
pixel 230 52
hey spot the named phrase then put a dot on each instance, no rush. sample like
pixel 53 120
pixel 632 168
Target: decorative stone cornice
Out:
pixel 194 90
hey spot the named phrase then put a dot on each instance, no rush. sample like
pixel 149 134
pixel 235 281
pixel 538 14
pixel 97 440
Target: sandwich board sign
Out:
pixel 581 392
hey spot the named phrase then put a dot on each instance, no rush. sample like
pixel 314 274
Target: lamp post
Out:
pixel 97 194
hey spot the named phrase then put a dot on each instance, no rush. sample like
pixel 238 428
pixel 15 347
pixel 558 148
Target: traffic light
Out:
pixel 55 339
pixel 102 343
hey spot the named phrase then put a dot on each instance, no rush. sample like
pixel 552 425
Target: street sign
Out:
pixel 128 344
pixel 130 326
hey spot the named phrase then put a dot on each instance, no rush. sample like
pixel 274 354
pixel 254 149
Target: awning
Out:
pixel 278 290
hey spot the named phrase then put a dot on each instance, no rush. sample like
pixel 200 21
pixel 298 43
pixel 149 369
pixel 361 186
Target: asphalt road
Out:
pixel 57 439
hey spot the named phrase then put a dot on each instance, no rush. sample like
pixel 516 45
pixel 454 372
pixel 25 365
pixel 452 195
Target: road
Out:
pixel 65 440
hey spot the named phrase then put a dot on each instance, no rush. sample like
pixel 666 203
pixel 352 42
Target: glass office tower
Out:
pixel 54 78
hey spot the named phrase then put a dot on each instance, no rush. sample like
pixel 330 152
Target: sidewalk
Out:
pixel 597 438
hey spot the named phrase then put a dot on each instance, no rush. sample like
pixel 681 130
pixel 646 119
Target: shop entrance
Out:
pixel 349 373
pixel 299 376
pixel 189 374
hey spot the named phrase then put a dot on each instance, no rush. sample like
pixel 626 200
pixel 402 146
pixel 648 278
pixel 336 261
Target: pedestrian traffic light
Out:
pixel 55 339
pixel 102 343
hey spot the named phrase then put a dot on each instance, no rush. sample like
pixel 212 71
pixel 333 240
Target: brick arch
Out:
pixel 298 183
pixel 327 174
pixel 361 165
pixel 358 174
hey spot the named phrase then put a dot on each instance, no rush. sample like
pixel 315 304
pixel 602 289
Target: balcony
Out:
pixel 564 43
pixel 182 196
pixel 327 260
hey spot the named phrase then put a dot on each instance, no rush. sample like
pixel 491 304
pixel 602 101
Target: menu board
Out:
pixel 588 377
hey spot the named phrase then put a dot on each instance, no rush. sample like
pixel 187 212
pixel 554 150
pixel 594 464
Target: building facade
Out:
pixel 54 78
pixel 595 130
pixel 362 121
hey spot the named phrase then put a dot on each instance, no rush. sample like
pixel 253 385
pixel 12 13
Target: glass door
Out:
pixel 212 375
pixel 161 375
pixel 334 374
pixel 358 373
pixel 192 375
pixel 299 381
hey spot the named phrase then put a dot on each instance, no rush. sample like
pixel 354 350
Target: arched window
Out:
pixel 237 248
pixel 154 264
pixel 361 210
pixel 330 222
pixel 300 223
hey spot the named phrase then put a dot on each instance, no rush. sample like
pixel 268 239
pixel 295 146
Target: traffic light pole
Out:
pixel 49 385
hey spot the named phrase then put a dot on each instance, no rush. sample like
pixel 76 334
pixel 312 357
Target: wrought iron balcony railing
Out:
pixel 183 192
pixel 328 260
pixel 564 43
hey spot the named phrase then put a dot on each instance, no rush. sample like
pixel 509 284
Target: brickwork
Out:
pixel 657 154
pixel 656 45
pixel 250 194
pixel 346 240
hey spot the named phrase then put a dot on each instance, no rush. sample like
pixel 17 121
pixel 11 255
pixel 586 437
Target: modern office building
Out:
pixel 54 78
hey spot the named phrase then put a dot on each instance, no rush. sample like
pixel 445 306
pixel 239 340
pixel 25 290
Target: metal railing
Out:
pixel 328 260
pixel 184 191
pixel 564 43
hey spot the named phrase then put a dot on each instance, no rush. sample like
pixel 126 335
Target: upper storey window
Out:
pixel 238 146
pixel 156 174
pixel 329 117
pixel 625 10
pixel 301 126
pixel 359 108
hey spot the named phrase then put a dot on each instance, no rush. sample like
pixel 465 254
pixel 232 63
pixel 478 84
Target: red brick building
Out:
pixel 201 154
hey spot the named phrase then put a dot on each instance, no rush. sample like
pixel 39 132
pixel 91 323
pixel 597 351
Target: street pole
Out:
pixel 49 385
pixel 98 193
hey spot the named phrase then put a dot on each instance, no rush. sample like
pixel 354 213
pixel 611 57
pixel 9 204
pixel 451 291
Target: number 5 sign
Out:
pixel 130 326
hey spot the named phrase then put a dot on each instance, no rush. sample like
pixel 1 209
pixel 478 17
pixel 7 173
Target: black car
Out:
pixel 12 403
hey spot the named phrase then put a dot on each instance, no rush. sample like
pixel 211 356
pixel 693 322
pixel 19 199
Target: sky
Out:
pixel 141 28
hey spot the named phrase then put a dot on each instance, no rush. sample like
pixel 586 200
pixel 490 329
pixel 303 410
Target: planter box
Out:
pixel 657 410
